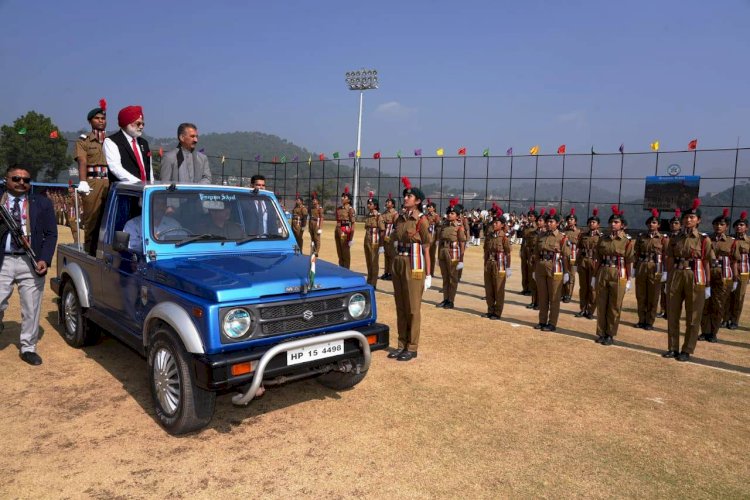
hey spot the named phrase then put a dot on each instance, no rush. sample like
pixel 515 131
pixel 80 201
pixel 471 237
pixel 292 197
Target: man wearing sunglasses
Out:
pixel 36 218
pixel 128 154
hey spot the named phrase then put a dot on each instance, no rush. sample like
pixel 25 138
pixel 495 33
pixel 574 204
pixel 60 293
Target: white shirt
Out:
pixel 133 228
pixel 114 161
pixel 22 201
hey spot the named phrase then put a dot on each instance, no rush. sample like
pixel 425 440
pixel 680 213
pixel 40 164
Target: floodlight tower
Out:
pixel 363 79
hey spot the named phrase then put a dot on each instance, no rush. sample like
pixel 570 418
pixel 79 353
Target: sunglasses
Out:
pixel 18 178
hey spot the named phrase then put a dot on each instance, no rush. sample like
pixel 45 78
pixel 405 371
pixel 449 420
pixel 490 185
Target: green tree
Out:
pixel 28 143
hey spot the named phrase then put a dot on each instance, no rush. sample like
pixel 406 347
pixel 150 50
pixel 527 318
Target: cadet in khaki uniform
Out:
pixel 315 225
pixel 374 229
pixel 650 270
pixel 496 265
pixel 613 260
pixel 571 232
pixel 389 219
pixel 451 253
pixel 674 229
pixel 410 266
pixel 587 241
pixel 688 257
pixel 528 235
pixel 92 171
pixel 737 298
pixel 541 228
pixel 434 219
pixel 552 271
pixel 299 219
pixel 723 279
pixel 344 233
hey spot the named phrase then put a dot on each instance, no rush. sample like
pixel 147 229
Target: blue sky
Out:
pixel 475 73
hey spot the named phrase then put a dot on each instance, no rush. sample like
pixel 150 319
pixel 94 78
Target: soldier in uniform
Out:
pixel 737 298
pixel 389 219
pixel 527 248
pixel 299 219
pixel 674 229
pixel 552 271
pixel 374 230
pixel 451 253
pixel 613 260
pixel 723 279
pixel 541 228
pixel 650 271
pixel 496 265
pixel 587 242
pixel 315 224
pixel 92 172
pixel 434 219
pixel 410 278
pixel 463 217
pixel 572 233
pixel 344 233
pixel 689 255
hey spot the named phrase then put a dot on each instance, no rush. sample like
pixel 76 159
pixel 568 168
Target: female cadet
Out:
pixel 587 242
pixel 649 250
pixel 316 222
pixel 571 232
pixel 688 258
pixel 344 233
pixel 374 229
pixel 496 265
pixel 410 266
pixel 528 242
pixel 551 272
pixel 743 266
pixel 674 228
pixel 299 218
pixel 723 279
pixel 613 259
pixel 451 253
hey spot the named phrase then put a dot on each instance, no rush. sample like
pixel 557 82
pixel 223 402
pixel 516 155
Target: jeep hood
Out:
pixel 230 277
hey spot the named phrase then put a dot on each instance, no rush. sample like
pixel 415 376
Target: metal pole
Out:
pixel 487 182
pixel 619 192
pixel 591 177
pixel 536 175
pixel 357 153
pixel 562 185
pixel 510 187
pixel 734 185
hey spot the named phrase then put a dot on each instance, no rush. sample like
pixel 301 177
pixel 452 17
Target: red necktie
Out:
pixel 140 162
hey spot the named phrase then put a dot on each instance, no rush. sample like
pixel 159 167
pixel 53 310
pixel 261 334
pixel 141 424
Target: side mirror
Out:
pixel 122 241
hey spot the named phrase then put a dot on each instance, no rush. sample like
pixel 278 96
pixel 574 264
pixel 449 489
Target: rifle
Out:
pixel 17 234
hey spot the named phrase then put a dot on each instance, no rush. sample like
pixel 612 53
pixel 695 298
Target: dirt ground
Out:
pixel 489 409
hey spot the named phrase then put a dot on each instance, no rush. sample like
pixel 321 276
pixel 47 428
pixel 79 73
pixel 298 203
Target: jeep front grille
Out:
pixel 289 317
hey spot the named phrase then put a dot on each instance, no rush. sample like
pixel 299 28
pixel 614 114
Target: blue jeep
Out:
pixel 208 284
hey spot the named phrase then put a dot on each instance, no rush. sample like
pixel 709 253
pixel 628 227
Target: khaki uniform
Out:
pixel 723 272
pixel 465 222
pixel 665 285
pixel 737 298
pixel 496 261
pixel 344 234
pixel 551 259
pixel 450 253
pixel 527 250
pixel 389 219
pixel 649 255
pixel 299 218
pixel 315 224
pixel 687 253
pixel 71 215
pixel 572 236
pixel 434 220
pixel 408 276
pixel 586 265
pixel 614 258
pixel 374 229
pixel 92 204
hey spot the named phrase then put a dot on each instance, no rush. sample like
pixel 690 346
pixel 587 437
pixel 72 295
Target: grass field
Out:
pixel 490 409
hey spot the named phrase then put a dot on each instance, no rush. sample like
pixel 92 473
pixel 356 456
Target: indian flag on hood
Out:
pixel 311 273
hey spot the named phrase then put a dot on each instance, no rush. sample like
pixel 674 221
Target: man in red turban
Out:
pixel 128 154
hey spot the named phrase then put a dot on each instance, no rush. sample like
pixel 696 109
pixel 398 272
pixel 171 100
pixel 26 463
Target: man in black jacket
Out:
pixel 35 215
pixel 128 155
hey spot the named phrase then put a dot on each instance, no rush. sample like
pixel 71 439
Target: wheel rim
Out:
pixel 70 312
pixel 166 381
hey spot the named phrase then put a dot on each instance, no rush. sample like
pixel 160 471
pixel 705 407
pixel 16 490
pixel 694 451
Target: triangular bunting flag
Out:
pixel 440 152
pixel 655 146
pixel 462 151
pixel 534 150
pixel 692 145
pixel 486 152
pixel 561 149
pixel 336 155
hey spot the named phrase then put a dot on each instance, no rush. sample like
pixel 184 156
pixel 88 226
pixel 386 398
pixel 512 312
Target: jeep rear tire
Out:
pixel 179 404
pixel 77 330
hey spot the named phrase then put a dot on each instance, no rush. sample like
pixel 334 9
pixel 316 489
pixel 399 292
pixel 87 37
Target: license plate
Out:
pixel 314 352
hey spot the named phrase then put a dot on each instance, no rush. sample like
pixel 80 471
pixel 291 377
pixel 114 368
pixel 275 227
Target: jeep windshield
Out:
pixel 192 215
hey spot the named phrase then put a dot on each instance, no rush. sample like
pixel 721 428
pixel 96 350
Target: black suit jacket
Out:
pixel 127 157
pixel 43 229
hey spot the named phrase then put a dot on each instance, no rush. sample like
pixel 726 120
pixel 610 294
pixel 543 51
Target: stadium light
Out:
pixel 361 80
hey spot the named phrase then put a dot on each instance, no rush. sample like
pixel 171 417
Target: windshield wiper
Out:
pixel 260 237
pixel 199 237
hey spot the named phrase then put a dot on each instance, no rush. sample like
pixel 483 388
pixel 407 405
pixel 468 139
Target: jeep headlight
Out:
pixel 357 305
pixel 236 323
